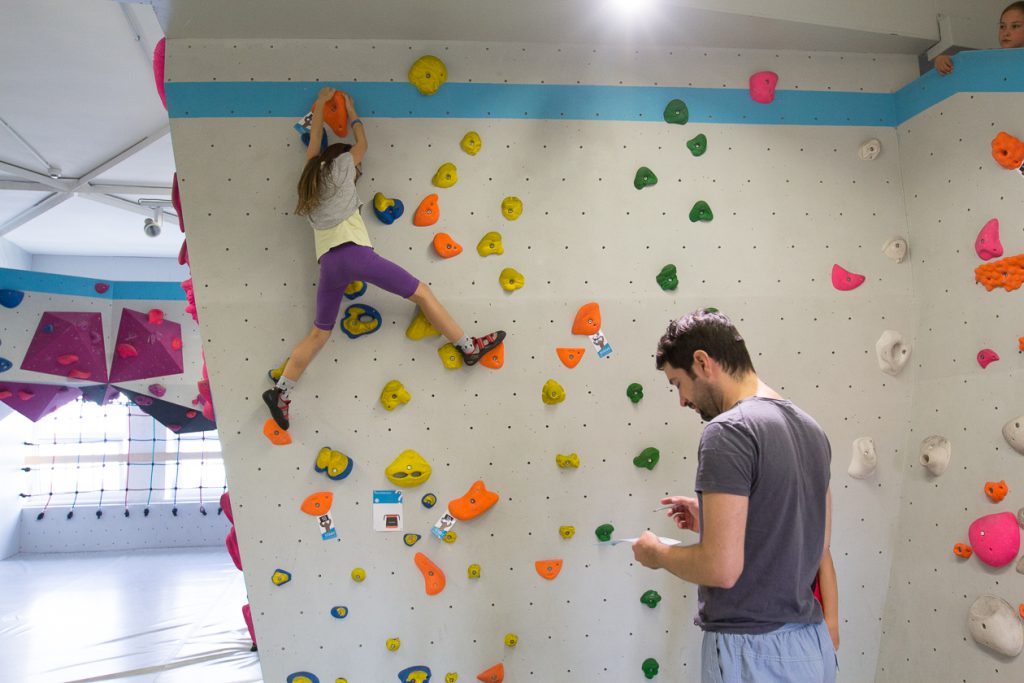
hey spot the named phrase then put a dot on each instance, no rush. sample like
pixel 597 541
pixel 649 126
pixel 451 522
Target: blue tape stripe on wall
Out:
pixel 983 71
pixel 49 283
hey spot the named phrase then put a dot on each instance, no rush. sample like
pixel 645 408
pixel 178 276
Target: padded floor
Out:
pixel 147 616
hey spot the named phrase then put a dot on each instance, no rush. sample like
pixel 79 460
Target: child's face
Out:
pixel 1011 29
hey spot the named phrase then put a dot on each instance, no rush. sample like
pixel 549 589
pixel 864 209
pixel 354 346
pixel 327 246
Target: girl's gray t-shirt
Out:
pixel 777 456
pixel 339 199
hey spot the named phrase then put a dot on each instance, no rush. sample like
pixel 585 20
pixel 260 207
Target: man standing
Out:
pixel 763 512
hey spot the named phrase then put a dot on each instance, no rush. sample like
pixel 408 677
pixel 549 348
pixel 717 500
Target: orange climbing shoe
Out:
pixel 278 407
pixel 481 345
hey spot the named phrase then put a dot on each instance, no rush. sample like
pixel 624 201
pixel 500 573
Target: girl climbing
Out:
pixel 328 199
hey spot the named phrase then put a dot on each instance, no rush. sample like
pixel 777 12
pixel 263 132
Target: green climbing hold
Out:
pixel 648 458
pixel 701 212
pixel 676 112
pixel 650 667
pixel 667 278
pixel 651 598
pixel 604 532
pixel 644 178
pixel 635 391
pixel 698 145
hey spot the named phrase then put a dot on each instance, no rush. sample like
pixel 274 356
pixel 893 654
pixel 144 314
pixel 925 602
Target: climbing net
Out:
pixel 116 456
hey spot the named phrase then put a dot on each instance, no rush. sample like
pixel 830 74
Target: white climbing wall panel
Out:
pixel 953 188
pixel 789 201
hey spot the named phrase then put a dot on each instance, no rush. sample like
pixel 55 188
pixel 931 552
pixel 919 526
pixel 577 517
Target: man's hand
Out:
pixel 944 64
pixel 685 512
pixel 647 550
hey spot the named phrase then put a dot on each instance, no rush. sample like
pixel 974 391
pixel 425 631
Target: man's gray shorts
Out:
pixel 794 653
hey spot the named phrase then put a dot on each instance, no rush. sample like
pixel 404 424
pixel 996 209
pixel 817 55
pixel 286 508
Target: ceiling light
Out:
pixel 151 226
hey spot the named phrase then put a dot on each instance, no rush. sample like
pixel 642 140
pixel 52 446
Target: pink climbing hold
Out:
pixel 762 86
pixel 67 359
pixel 75 373
pixel 844 280
pixel 156 316
pixel 159 58
pixel 26 394
pixel 995 538
pixel 176 202
pixel 157 390
pixel 988 245
pixel 232 543
pixel 247 615
pixel 225 504
pixel 127 351
pixel 101 287
pixel 183 254
pixel 176 343
pixel 986 356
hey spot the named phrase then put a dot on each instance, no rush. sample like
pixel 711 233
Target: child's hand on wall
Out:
pixel 944 64
pixel 326 94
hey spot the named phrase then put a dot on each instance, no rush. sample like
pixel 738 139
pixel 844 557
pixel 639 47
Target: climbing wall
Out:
pixel 953 188
pixel 789 201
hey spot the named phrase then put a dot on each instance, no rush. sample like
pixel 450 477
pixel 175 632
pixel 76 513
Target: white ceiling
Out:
pixel 76 80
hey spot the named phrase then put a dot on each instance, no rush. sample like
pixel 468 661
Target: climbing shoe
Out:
pixel 481 345
pixel 278 407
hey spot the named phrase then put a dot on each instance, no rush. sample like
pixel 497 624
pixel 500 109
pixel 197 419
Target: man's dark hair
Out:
pixel 705 329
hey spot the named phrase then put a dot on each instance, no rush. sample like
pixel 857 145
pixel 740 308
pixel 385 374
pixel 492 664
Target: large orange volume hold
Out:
pixel 1007 273
pixel 335 114
pixel 1008 151
pixel 427 212
pixel 433 577
pixel 477 501
pixel 496 674
pixel 318 503
pixel 588 319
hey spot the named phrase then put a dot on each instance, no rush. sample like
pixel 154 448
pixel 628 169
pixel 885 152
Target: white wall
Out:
pixel 13 256
pixel 12 435
pixel 953 187
pixel 789 201
pixel 112 268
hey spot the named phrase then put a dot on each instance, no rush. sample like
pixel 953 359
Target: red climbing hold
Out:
pixel 79 374
pixel 987 245
pixel 101 287
pixel 156 316
pixel 762 86
pixel 127 351
pixel 67 359
pixel 176 343
pixel 844 280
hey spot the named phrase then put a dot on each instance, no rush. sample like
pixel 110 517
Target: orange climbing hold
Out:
pixel 433 577
pixel 318 503
pixel 1020 344
pixel 996 490
pixel 548 569
pixel 588 319
pixel 477 501
pixel 1008 151
pixel 427 212
pixel 494 358
pixel 336 114
pixel 445 246
pixel 496 674
pixel 1007 273
pixel 963 550
pixel 277 436
pixel 570 357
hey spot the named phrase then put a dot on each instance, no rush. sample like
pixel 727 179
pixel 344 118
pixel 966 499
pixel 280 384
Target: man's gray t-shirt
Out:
pixel 338 198
pixel 777 456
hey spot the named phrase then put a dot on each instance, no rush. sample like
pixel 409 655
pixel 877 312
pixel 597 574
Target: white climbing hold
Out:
pixel 864 459
pixel 1013 432
pixel 896 249
pixel 935 454
pixel 892 351
pixel 870 150
pixel 995 624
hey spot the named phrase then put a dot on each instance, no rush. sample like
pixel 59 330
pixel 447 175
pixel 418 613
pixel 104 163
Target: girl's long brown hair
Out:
pixel 313 181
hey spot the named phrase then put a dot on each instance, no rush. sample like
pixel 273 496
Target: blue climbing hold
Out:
pixel 415 674
pixel 390 213
pixel 48 328
pixel 429 500
pixel 339 612
pixel 5 365
pixel 355 289
pixel 360 320
pixel 10 298
pixel 302 677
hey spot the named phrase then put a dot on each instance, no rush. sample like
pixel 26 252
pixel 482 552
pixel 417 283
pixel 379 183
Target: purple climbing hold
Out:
pixel 157 390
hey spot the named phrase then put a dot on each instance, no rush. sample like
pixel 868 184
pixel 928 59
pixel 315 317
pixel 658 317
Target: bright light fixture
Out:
pixel 630 7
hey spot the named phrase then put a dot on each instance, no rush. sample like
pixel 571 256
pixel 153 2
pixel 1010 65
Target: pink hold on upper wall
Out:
pixel 995 538
pixel 159 57
pixel 844 280
pixel 762 86
pixel 986 356
pixel 987 244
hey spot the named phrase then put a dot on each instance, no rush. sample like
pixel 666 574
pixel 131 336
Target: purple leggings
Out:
pixel 347 263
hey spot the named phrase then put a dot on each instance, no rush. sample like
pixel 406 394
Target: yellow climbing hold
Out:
pixel 565 461
pixel 471 143
pixel 359 575
pixel 511 279
pixel 394 394
pixel 276 373
pixel 393 644
pixel 420 327
pixel 451 677
pixel 511 640
pixel 355 288
pixel 511 208
pixel 446 176
pixel 428 73
pixel 450 356
pixel 408 469
pixel 474 571
pixel 359 321
pixel 567 532
pixel 490 244
pixel 335 464
pixel 450 537
pixel 552 393
pixel 382 203
pixel 280 577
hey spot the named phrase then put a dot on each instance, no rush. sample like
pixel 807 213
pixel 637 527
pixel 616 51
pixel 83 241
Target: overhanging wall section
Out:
pixel 789 201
